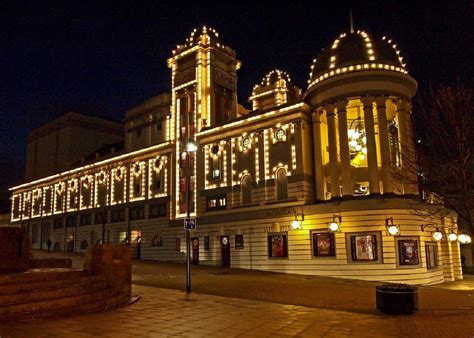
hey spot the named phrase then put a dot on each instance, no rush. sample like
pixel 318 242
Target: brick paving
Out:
pixel 445 311
pixel 165 312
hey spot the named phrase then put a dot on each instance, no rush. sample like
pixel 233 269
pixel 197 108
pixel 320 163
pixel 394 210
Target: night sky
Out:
pixel 101 58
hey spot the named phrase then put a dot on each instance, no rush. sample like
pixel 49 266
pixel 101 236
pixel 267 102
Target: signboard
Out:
pixel 189 224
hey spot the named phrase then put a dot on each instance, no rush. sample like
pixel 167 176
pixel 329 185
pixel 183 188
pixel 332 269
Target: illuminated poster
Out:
pixel 323 244
pixel 277 246
pixel 408 252
pixel 364 248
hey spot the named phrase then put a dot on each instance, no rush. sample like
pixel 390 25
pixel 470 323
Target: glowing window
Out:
pixel 280 135
pixel 246 189
pixel 246 143
pixel 281 184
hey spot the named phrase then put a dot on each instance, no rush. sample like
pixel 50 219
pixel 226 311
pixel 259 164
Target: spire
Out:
pixel 351 21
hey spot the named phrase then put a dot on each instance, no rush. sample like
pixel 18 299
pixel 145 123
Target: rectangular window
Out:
pixel 46 235
pixel 206 243
pixel 216 202
pixel 34 233
pixel 100 217
pixel 431 255
pixel 157 210
pixel 137 213
pixel 71 221
pixel 408 251
pixel 158 181
pixel 58 223
pixel 118 215
pixel 178 244
pixel 216 168
pixel 85 219
pixel 277 246
pixel 323 244
pixel 239 241
pixel 158 126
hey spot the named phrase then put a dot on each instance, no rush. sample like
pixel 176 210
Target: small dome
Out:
pixel 274 90
pixel 356 52
pixel 274 76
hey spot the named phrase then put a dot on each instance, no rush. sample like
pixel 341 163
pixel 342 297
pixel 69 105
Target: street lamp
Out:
pixel 191 147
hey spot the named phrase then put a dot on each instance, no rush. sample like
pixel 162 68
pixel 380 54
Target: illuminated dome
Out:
pixel 356 52
pixel 275 89
pixel 206 36
pixel 275 76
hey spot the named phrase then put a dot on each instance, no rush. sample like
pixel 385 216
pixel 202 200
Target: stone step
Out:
pixel 10 289
pixel 40 275
pixel 31 296
pixel 102 304
pixel 58 304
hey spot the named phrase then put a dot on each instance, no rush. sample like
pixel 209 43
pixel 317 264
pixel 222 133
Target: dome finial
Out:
pixel 351 21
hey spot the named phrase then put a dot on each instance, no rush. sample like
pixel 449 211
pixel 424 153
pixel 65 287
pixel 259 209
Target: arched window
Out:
pixel 281 184
pixel 394 144
pixel 246 189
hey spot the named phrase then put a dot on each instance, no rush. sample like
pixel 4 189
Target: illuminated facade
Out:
pixel 265 185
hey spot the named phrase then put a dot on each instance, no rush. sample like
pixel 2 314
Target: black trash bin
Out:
pixel 397 298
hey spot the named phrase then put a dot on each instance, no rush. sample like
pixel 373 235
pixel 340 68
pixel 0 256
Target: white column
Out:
pixel 386 169
pixel 318 158
pixel 331 118
pixel 371 147
pixel 407 150
pixel 344 148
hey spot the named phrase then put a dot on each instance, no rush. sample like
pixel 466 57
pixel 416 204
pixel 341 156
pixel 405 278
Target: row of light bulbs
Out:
pixel 392 229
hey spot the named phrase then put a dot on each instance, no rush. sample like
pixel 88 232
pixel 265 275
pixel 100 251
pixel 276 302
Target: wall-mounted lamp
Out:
pixel 191 147
pixel 452 236
pixel 437 234
pixel 392 229
pixel 464 238
pixel 297 224
pixel 335 225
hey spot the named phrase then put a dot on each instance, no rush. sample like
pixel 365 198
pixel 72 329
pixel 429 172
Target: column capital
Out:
pixel 329 108
pixel 367 101
pixel 381 101
pixel 402 104
pixel 341 105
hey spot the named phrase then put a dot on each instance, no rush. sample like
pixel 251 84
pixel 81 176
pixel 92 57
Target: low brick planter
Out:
pixel 48 263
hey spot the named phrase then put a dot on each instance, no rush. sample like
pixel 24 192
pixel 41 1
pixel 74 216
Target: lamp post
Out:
pixel 190 148
pixel 103 223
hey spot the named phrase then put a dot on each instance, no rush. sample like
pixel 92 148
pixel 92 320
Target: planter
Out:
pixel 397 298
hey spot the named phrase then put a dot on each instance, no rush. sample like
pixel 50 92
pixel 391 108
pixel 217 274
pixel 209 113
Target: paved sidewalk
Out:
pixel 164 312
pixel 233 302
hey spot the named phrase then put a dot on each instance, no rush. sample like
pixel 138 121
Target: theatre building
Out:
pixel 309 181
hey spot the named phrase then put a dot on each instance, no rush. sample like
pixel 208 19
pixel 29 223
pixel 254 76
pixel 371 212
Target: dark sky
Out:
pixel 101 58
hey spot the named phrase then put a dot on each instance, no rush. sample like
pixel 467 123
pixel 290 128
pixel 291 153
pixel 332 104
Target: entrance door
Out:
pixel 225 251
pixel 195 251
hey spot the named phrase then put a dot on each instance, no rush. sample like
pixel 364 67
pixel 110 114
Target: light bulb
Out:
pixel 295 224
pixel 437 235
pixel 393 230
pixel 333 227
pixel 452 237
